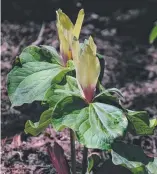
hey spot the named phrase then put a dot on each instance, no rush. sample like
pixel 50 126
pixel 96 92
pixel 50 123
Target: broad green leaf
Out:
pixel 38 127
pixel 51 97
pixel 33 54
pixel 130 156
pixel 152 167
pixel 96 125
pixel 30 82
pixel 133 166
pixel 140 122
pixel 58 91
pixel 153 34
pixel 131 152
pixel 66 111
pixel 51 52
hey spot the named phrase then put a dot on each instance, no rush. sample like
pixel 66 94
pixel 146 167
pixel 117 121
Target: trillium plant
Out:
pixel 69 83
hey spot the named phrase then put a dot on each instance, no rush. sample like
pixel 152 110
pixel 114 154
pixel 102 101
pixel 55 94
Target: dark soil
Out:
pixel 130 65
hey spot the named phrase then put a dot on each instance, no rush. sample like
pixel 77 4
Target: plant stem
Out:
pixel 84 161
pixel 73 152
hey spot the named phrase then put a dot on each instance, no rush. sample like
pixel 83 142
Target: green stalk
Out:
pixel 84 161
pixel 73 152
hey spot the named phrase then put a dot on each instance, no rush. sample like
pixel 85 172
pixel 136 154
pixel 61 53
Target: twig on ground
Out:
pixel 40 36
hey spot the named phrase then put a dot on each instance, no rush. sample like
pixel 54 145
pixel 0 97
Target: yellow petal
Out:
pixel 75 50
pixel 88 68
pixel 64 45
pixel 66 32
pixel 64 20
pixel 92 45
pixel 60 32
pixel 78 25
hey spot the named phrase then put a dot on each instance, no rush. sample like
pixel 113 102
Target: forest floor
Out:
pixel 130 65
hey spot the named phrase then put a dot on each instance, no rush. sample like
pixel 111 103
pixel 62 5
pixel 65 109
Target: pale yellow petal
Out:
pixel 62 38
pixel 75 50
pixel 92 45
pixel 64 45
pixel 78 24
pixel 88 68
pixel 60 31
pixel 64 20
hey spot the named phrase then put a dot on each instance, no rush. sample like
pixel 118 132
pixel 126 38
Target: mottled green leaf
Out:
pixel 130 156
pixel 30 82
pixel 33 74
pixel 133 166
pixel 131 152
pixel 33 54
pixel 96 124
pixel 51 52
pixel 58 91
pixel 140 122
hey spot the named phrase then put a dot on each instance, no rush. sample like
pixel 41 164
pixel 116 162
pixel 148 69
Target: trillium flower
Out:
pixel 87 67
pixel 66 32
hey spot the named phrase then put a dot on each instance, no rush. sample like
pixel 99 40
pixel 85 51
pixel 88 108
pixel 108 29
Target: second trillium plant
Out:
pixel 69 83
pixel 66 32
